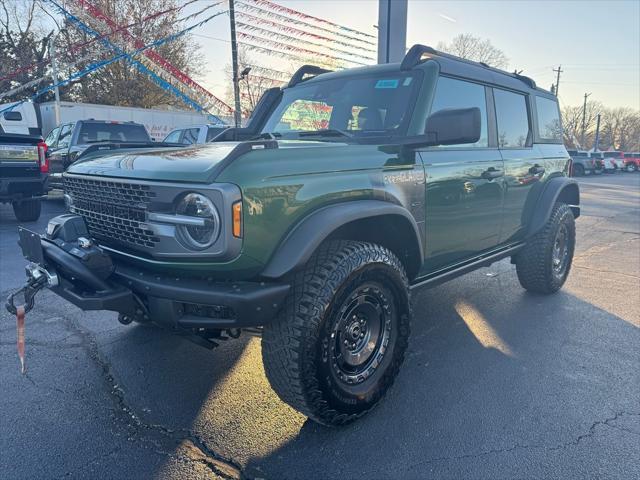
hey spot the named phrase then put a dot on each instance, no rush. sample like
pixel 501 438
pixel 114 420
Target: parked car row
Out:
pixel 587 163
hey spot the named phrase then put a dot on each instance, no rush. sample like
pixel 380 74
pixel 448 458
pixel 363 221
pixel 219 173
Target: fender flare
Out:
pixel 307 235
pixel 554 189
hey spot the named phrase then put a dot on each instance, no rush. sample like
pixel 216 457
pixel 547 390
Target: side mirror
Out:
pixel 453 126
pixel 13 116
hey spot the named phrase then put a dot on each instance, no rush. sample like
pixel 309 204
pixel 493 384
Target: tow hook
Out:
pixel 37 278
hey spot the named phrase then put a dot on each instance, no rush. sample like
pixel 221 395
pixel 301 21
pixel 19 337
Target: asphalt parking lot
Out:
pixel 497 383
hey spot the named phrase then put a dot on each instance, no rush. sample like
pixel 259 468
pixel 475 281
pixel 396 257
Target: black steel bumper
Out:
pixel 174 301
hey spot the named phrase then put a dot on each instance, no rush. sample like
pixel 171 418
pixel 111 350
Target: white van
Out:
pixel 21 119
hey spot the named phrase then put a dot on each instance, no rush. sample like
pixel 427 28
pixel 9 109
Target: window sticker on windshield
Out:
pixel 392 83
pixel 407 81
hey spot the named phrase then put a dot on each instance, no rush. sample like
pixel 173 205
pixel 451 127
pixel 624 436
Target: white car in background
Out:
pixel 195 134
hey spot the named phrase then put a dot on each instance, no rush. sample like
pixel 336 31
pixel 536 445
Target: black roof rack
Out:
pixel 311 70
pixel 414 56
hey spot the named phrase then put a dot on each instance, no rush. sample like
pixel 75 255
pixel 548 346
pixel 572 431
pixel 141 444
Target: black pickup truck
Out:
pixel 24 174
pixel 68 142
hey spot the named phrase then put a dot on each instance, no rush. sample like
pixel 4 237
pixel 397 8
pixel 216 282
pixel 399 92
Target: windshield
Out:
pixel 112 132
pixel 345 109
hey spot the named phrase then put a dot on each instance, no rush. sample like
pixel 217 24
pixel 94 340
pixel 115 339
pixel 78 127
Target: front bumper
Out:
pixel 176 301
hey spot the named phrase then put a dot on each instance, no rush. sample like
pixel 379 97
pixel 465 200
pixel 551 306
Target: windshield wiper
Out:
pixel 330 132
pixel 269 135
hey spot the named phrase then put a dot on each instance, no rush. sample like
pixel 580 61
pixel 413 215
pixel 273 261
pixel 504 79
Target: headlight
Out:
pixel 202 233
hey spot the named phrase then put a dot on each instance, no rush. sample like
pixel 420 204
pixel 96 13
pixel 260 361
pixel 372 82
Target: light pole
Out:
pixel 244 75
pixel 584 113
pixel 54 73
pixel 392 30
pixel 234 65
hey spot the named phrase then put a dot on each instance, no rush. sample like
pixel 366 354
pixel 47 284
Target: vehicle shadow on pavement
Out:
pixel 100 391
pixel 497 382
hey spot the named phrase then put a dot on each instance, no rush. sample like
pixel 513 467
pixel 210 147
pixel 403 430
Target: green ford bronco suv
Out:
pixel 312 225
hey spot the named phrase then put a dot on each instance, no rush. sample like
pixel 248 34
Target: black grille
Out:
pixel 114 211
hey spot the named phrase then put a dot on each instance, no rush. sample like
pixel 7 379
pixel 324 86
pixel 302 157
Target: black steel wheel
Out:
pixel 336 347
pixel 544 263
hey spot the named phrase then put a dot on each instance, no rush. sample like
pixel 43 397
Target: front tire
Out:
pixel 337 345
pixel 27 210
pixel 544 263
pixel 631 167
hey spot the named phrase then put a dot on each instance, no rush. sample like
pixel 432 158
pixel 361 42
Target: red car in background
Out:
pixel 631 162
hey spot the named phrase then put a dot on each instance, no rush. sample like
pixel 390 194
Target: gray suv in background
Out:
pixel 584 164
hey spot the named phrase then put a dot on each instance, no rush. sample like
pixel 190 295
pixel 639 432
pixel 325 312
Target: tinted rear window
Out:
pixel 112 132
pixel 549 126
pixel 513 119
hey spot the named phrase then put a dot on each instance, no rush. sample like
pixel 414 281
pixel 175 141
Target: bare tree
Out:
pixel 253 84
pixel 23 46
pixel 572 123
pixel 619 127
pixel 475 48
pixel 121 83
pixel 25 43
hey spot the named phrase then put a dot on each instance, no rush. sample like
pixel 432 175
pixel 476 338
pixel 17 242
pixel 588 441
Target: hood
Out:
pixel 197 164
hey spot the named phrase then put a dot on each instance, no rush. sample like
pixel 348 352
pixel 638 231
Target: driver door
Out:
pixel 464 189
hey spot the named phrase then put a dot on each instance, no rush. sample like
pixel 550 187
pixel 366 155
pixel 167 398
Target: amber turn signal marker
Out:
pixel 237 219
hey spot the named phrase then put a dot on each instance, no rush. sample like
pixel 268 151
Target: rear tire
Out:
pixel 631 167
pixel 337 345
pixel 544 263
pixel 27 210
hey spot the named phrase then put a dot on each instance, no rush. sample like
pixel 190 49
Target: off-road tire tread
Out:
pixel 27 210
pixel 533 262
pixel 294 332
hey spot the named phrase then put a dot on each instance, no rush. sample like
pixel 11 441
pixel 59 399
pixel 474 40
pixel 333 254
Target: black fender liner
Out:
pixel 307 235
pixel 557 188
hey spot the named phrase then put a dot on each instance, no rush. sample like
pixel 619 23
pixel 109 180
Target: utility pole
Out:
pixel 584 113
pixel 558 71
pixel 596 143
pixel 54 75
pixel 234 61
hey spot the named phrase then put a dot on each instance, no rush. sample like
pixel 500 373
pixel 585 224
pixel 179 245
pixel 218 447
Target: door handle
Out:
pixel 491 173
pixel 536 170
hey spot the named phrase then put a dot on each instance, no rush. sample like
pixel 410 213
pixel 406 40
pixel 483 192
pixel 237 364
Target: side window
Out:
pixel 52 137
pixel 512 118
pixel 549 126
pixel 191 136
pixel 65 135
pixel 452 93
pixel 213 132
pixel 173 137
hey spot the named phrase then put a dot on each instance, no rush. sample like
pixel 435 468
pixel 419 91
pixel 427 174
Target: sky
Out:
pixel 597 43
